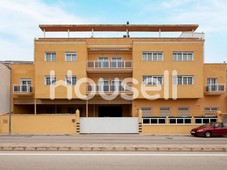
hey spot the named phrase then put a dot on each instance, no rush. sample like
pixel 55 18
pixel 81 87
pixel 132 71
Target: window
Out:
pixel 146 111
pixel 152 56
pixel 25 85
pixel 70 56
pixel 186 80
pixel 183 56
pixel 50 56
pixel 154 120
pixel 116 85
pixel 152 80
pixel 50 80
pixel 211 109
pixel 103 85
pixel 103 62
pixel 212 81
pixel 203 120
pixel 165 108
pixel 165 111
pixel 117 62
pixel 25 81
pixel 183 109
pixel 180 120
pixel 70 80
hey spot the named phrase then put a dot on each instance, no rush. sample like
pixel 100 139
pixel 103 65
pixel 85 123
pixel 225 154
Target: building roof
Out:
pixel 9 62
pixel 119 28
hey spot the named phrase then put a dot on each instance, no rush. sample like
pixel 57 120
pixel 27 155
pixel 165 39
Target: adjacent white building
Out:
pixel 4 89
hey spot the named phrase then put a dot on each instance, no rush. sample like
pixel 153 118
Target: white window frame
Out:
pixel 117 62
pixel 152 56
pixel 183 56
pixel 103 85
pixel 212 81
pixel 70 56
pixel 184 80
pixel 203 119
pixel 52 80
pixel 158 120
pixel 69 80
pixel 178 118
pixel 52 57
pixel 152 79
pixel 26 80
pixel 103 62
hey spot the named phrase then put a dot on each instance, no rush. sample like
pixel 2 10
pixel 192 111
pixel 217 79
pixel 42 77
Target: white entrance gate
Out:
pixel 109 125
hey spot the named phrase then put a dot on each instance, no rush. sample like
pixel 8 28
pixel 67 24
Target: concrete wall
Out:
pixel 167 129
pixel 39 124
pixel 4 89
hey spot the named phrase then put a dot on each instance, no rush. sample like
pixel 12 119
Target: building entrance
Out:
pixel 110 111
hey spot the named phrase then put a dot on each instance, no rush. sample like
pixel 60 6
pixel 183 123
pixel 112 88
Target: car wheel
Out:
pixel 207 134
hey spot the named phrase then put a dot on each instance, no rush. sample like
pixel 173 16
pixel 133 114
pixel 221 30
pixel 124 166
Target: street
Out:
pixel 111 139
pixel 116 160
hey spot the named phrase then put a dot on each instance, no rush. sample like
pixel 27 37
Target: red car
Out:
pixel 210 129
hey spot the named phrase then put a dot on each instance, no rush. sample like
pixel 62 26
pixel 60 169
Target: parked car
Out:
pixel 210 129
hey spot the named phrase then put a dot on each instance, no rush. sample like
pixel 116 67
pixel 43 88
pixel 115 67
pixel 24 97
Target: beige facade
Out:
pixel 184 92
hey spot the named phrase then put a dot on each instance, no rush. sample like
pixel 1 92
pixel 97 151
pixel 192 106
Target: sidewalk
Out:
pixel 149 148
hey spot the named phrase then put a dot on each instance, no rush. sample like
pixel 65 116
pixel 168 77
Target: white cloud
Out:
pixel 19 25
pixel 211 15
pixel 174 3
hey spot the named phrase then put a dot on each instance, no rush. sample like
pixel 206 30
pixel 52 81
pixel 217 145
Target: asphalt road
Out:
pixel 111 161
pixel 111 139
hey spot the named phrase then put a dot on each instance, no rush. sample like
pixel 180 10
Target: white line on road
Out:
pixel 119 154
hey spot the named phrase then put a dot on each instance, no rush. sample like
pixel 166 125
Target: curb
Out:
pixel 114 148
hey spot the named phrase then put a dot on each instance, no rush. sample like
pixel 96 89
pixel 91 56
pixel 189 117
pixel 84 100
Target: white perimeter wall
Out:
pixel 4 89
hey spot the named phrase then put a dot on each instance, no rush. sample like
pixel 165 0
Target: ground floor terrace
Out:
pixel 98 115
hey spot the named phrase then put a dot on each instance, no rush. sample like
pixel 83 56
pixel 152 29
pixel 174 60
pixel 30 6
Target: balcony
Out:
pixel 216 89
pixel 20 89
pixel 109 89
pixel 109 67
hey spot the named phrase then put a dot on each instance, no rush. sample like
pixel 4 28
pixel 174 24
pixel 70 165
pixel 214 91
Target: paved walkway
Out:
pixel 109 142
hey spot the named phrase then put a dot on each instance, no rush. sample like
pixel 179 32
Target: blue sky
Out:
pixel 20 20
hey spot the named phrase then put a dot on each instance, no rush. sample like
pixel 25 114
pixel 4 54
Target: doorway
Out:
pixel 110 111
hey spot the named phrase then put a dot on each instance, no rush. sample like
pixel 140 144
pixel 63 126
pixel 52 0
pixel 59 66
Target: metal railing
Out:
pixel 191 34
pixel 215 88
pixel 19 88
pixel 109 64
pixel 108 88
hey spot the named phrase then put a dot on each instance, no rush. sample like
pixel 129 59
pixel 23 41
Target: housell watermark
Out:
pixel 151 87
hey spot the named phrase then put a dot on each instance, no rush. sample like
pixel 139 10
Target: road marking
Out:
pixel 119 154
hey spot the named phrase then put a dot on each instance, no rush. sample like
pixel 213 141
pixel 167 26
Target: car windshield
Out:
pixel 206 125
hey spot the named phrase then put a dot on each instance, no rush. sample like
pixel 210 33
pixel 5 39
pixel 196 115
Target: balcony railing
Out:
pixel 109 64
pixel 199 35
pixel 22 88
pixel 108 88
pixel 215 88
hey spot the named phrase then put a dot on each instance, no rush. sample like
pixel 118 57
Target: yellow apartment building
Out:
pixel 155 84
